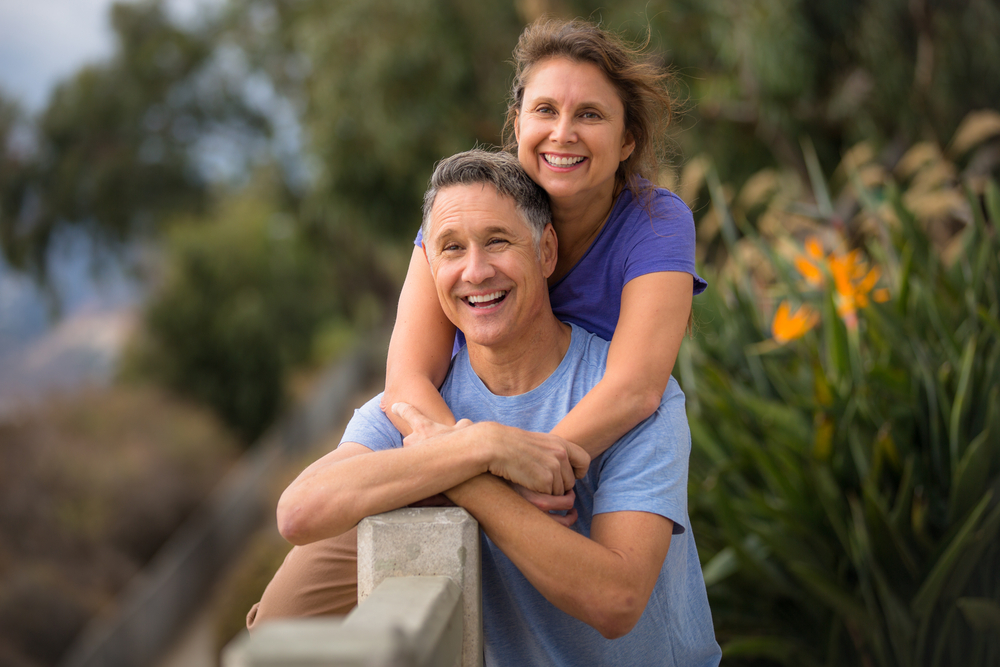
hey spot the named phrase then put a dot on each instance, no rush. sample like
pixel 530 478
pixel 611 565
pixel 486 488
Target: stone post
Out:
pixel 427 541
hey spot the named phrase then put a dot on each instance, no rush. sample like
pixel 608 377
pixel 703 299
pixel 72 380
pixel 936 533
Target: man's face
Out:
pixel 490 278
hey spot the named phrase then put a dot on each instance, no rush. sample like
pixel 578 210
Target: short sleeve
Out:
pixel 663 239
pixel 370 427
pixel 647 470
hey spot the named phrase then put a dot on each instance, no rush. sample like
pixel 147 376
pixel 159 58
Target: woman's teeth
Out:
pixel 562 161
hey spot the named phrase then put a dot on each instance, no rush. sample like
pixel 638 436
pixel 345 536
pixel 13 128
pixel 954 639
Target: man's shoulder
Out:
pixel 370 427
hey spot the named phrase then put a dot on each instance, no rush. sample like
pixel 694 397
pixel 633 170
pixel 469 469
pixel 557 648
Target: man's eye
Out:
pixel 450 247
pixel 494 242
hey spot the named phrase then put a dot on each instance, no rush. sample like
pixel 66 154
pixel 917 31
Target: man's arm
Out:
pixel 604 581
pixel 333 494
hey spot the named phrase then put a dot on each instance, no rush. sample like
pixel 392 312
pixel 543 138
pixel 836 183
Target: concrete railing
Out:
pixel 419 602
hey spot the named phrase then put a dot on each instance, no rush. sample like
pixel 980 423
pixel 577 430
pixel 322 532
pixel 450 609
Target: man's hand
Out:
pixel 552 504
pixel 540 462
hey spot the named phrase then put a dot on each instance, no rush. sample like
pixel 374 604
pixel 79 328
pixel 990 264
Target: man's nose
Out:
pixel 478 267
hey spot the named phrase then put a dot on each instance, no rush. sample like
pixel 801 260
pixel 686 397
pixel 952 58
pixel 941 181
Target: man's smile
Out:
pixel 486 300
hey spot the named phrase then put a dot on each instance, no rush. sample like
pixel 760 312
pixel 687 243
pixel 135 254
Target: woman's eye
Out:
pixel 591 115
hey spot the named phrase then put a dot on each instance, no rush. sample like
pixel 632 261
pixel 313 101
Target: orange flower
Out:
pixel 788 326
pixel 852 279
pixel 809 266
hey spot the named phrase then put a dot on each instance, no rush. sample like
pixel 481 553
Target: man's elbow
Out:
pixel 618 614
pixel 297 521
pixel 292 523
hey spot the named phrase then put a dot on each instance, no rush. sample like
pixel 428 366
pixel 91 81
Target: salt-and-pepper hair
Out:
pixel 500 170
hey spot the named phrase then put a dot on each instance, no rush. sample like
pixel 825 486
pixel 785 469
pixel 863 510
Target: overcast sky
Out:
pixel 45 41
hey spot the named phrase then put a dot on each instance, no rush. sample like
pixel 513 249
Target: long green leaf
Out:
pixel 722 565
pixel 983 614
pixel 971 474
pixel 958 407
pixel 927 597
pixel 816 179
pixel 781 649
pixel 831 594
pixel 993 202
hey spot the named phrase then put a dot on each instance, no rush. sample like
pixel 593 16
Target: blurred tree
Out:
pixel 116 149
pixel 761 74
pixel 386 88
pixel 243 293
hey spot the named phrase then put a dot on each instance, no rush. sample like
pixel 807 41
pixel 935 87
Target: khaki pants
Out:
pixel 317 579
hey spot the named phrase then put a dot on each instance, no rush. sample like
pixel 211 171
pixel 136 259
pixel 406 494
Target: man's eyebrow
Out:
pixel 499 229
pixel 442 239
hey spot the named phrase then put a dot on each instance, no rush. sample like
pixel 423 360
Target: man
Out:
pixel 628 569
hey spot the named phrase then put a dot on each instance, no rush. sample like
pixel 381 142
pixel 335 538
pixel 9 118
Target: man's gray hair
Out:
pixel 504 173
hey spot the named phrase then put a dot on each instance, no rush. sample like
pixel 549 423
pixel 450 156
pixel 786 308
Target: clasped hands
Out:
pixel 541 467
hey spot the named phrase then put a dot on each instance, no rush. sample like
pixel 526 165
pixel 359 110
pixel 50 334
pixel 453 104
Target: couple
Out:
pixel 622 584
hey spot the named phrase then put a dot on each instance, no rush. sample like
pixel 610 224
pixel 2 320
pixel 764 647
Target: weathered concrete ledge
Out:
pixel 419 595
pixel 406 622
pixel 427 541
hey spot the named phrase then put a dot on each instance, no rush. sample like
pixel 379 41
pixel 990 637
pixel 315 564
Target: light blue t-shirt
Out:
pixel 644 471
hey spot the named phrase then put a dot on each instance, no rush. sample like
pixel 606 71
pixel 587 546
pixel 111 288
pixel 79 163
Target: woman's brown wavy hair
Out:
pixel 641 83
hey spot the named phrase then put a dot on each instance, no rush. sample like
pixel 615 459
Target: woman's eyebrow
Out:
pixel 541 99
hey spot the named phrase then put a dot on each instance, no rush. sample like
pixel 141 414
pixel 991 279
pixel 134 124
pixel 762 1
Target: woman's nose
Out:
pixel 564 131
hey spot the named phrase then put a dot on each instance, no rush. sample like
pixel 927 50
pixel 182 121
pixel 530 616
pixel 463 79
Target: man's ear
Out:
pixel 423 246
pixel 628 145
pixel 548 250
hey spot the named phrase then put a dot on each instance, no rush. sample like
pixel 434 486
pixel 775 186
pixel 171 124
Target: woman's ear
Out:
pixel 628 145
pixel 548 250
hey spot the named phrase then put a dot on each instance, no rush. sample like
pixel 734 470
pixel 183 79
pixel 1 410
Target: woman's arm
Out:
pixel 654 316
pixel 420 348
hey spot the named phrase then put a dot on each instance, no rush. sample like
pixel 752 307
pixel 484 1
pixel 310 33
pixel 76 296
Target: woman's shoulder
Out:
pixel 657 200
pixel 655 212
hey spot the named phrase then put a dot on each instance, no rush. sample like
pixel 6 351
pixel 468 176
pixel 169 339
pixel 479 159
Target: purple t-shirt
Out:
pixel 635 240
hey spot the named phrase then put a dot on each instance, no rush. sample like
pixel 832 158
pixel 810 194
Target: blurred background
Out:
pixel 204 204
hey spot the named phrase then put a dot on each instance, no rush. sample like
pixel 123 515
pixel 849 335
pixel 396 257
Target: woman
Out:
pixel 585 117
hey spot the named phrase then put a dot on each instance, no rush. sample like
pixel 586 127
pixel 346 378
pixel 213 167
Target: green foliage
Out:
pixel 393 87
pixel 243 294
pixel 117 144
pixel 846 484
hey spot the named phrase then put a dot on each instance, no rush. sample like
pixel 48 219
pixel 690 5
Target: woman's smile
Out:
pixel 571 131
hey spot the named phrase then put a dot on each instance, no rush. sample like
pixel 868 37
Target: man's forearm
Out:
pixel 605 586
pixel 333 494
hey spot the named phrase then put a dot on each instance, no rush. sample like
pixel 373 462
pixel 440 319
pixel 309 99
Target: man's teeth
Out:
pixel 486 297
pixel 563 161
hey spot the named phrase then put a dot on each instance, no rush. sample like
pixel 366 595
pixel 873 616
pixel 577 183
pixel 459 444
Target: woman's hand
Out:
pixel 552 505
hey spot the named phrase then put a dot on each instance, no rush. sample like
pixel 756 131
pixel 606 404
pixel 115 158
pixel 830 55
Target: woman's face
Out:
pixel 570 131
